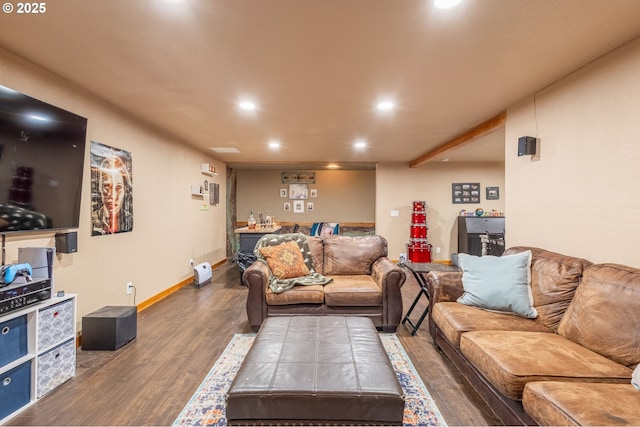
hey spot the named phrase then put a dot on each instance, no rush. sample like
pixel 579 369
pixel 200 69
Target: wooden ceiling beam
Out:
pixel 476 132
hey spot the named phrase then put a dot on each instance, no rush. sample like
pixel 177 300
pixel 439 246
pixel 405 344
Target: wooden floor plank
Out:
pixel 150 380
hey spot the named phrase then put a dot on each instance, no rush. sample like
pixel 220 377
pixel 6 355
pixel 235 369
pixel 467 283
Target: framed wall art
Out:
pixel 298 191
pixel 298 177
pixel 298 206
pixel 111 190
pixel 493 193
pixel 465 192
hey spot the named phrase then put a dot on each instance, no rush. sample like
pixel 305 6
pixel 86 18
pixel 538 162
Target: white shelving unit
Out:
pixel 37 352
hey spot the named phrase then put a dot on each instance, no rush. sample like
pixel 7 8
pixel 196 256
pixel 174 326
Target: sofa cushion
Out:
pixel 510 359
pixel 554 278
pixel 498 283
pixel 285 260
pixel 308 294
pixel 569 403
pixel 316 250
pixel 454 319
pixel 352 255
pixel 357 291
pixel 604 315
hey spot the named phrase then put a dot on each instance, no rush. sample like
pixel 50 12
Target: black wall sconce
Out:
pixel 526 145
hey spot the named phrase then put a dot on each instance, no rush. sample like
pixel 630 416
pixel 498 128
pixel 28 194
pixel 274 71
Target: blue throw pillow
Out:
pixel 498 283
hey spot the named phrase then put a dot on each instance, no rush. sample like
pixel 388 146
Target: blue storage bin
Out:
pixel 15 389
pixel 13 339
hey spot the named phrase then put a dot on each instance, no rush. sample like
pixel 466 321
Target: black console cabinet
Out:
pixel 471 227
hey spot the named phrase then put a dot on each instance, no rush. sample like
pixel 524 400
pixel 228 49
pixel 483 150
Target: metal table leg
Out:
pixel 423 291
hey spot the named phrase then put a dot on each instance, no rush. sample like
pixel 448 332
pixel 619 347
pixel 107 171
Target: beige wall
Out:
pixel 398 186
pixel 343 196
pixel 169 226
pixel 579 196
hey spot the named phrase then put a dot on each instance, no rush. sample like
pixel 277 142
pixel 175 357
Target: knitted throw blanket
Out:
pixel 280 285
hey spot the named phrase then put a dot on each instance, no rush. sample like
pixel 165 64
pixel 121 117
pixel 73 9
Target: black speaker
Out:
pixel 67 243
pixel 526 145
pixel 109 328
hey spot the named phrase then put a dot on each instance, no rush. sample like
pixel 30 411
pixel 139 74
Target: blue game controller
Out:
pixel 8 273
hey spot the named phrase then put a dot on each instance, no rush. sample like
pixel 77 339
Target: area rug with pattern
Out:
pixel 207 406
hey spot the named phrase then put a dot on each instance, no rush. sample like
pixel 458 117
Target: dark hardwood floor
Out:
pixel 149 380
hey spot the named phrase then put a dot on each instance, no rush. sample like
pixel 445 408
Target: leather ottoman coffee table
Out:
pixel 316 369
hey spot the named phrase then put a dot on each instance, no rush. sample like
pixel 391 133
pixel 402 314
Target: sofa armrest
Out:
pixel 256 278
pixel 442 286
pixel 390 278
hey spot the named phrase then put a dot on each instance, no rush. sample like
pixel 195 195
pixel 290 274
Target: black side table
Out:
pixel 419 271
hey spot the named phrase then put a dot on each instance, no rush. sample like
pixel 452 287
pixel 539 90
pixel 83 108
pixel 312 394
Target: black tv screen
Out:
pixel 41 164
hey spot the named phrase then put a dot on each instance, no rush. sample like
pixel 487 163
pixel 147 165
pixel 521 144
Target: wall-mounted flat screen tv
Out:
pixel 42 150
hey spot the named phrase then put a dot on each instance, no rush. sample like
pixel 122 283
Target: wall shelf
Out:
pixel 195 190
pixel 208 169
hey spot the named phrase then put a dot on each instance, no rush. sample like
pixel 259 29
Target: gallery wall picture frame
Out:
pixel 493 193
pixel 313 192
pixel 298 191
pixel 310 206
pixel 298 206
pixel 283 192
pixel 465 192
pixel 287 206
pixel 298 177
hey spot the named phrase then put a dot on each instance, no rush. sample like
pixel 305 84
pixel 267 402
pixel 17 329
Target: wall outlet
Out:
pixel 129 287
pixel 437 249
pixel 191 262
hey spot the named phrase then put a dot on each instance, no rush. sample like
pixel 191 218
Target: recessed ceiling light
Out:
pixel 247 105
pixel 385 105
pixel 274 144
pixel 332 166
pixel 445 4
pixel 360 144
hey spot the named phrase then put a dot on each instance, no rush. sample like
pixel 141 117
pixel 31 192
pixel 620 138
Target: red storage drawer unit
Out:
pixel 13 339
pixel 15 388
pixel 55 324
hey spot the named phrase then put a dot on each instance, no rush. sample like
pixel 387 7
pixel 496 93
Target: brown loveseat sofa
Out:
pixel 365 282
pixel 571 365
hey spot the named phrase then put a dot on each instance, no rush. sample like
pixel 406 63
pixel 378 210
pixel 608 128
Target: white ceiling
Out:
pixel 317 67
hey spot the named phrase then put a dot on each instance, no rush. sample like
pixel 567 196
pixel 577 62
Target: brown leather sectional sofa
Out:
pixel 571 365
pixel 365 283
